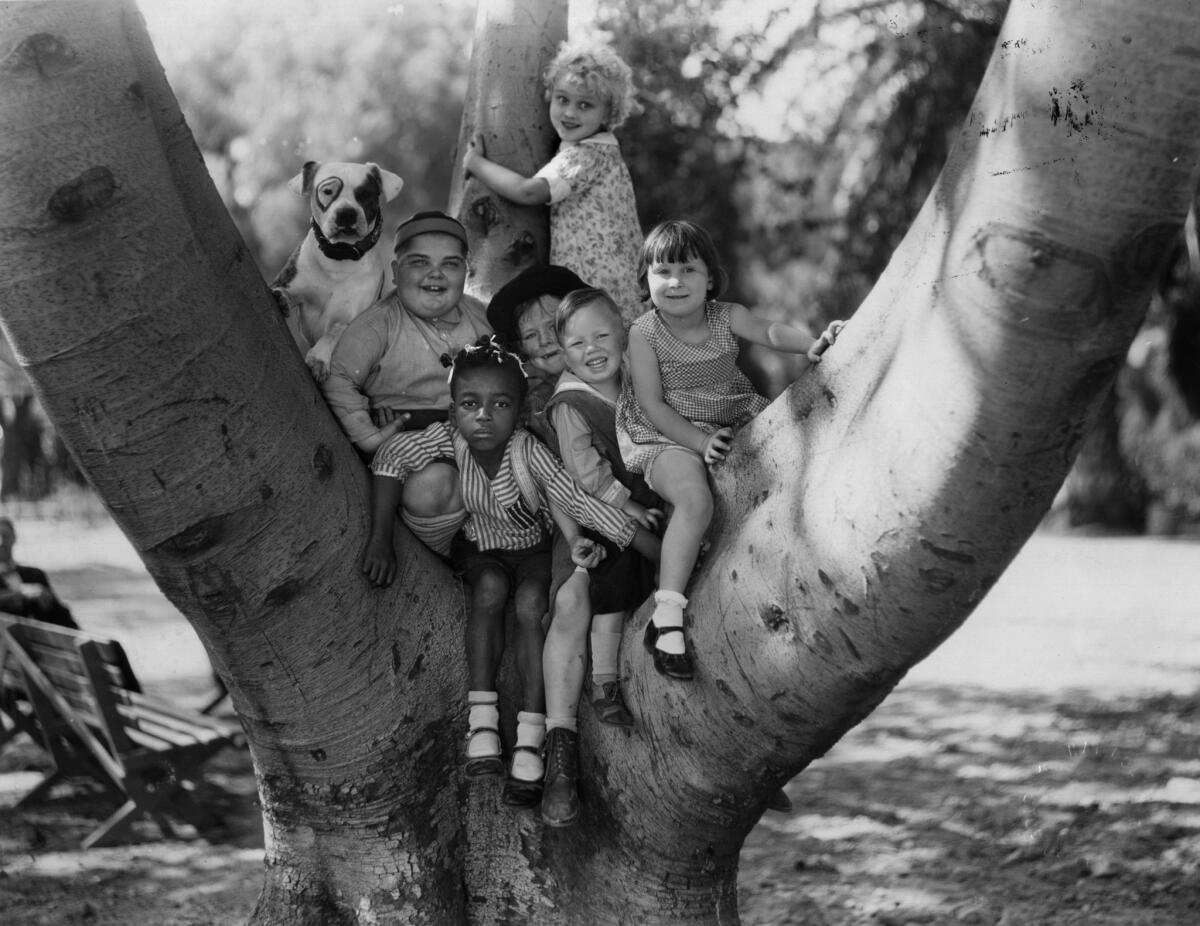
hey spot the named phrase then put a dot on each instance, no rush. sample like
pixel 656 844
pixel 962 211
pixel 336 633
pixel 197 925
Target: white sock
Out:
pixel 668 612
pixel 562 723
pixel 531 732
pixel 606 648
pixel 483 712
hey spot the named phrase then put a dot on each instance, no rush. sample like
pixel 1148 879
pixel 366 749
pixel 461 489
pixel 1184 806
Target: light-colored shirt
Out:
pixel 390 358
pixel 510 512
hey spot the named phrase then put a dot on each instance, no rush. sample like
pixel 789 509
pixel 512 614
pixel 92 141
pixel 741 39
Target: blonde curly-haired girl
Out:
pixel 594 228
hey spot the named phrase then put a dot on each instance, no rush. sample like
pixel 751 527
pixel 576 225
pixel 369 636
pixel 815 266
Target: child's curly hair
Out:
pixel 487 353
pixel 600 69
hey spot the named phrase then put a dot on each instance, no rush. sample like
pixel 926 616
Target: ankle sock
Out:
pixel 668 612
pixel 563 723
pixel 483 712
pixel 531 732
pixel 606 648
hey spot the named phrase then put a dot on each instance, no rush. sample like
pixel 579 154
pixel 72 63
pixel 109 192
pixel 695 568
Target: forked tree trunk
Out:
pixel 514 41
pixel 860 519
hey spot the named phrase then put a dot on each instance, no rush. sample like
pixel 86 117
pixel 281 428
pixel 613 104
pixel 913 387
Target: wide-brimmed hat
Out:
pixel 538 280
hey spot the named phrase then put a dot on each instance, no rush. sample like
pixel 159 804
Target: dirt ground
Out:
pixel 1042 768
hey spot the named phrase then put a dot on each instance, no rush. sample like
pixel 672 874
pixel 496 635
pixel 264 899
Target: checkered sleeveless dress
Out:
pixel 700 381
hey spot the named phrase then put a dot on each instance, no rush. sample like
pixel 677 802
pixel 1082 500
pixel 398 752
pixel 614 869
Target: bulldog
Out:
pixel 337 271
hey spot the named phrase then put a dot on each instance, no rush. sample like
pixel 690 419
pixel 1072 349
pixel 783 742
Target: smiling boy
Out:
pixel 388 371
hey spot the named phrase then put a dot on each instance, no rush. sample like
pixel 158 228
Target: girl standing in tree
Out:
pixel 683 398
pixel 594 227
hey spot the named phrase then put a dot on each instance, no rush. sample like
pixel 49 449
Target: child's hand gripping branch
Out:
pixel 378 561
pixel 513 186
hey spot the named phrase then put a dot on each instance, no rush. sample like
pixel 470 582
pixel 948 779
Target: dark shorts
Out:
pixel 520 566
pixel 621 582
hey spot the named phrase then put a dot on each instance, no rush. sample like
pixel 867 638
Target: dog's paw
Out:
pixel 282 300
pixel 319 358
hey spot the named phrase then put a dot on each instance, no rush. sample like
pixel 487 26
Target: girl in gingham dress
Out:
pixel 513 489
pixel 682 400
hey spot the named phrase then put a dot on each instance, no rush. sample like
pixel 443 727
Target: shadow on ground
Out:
pixel 960 806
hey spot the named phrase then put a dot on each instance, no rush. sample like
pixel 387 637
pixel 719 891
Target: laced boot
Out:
pixel 560 800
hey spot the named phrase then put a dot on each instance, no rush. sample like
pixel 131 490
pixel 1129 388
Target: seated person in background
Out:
pixel 24 590
pixel 388 371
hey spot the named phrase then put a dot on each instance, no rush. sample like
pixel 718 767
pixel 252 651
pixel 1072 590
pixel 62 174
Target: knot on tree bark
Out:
pixel 90 191
pixel 44 54
pixel 1034 270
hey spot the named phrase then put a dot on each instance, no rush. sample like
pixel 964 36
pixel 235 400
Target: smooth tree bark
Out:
pixel 506 104
pixel 860 518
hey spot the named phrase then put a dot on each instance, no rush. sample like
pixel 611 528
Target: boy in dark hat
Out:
pixel 522 315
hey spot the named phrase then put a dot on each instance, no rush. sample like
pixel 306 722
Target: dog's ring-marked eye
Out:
pixel 328 191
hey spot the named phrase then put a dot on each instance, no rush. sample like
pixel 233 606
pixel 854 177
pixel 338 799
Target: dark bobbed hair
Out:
pixel 677 240
pixel 577 300
pixel 488 354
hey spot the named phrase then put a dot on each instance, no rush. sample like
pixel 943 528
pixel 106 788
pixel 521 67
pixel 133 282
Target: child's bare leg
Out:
pixel 682 479
pixel 605 639
pixel 564 662
pixel 530 607
pixel 524 785
pixel 433 506
pixel 485 627
pixel 488 593
pixel 564 658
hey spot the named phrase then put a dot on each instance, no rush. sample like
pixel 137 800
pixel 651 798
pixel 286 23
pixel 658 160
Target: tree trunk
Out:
pixel 860 519
pixel 160 356
pixel 514 41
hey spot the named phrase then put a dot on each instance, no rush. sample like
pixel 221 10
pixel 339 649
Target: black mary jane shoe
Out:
pixel 678 666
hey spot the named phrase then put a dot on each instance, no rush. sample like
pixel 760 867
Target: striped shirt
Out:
pixel 510 512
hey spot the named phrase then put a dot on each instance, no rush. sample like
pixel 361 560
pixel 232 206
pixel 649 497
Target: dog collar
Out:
pixel 344 250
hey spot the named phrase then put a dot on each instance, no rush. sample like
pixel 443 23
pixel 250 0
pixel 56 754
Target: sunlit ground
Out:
pixel 1041 768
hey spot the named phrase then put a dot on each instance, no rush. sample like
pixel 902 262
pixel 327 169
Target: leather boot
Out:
pixel 560 799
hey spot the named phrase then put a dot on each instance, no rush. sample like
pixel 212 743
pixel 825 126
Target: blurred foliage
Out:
pixel 805 137
pixel 262 94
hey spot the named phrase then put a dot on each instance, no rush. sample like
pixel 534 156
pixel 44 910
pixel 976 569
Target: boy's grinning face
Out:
pixel 486 406
pixel 429 273
pixel 593 340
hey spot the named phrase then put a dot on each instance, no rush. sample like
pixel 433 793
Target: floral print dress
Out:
pixel 594 227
